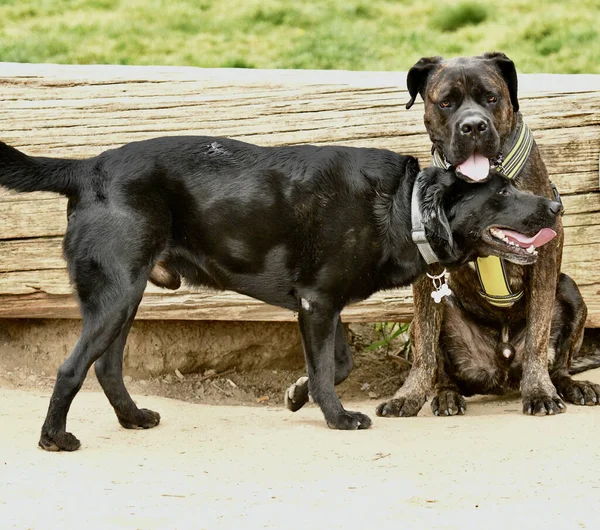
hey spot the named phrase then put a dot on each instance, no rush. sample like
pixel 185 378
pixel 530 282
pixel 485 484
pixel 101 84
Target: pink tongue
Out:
pixel 539 239
pixel 476 167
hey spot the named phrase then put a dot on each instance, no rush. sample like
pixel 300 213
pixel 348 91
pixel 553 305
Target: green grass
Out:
pixel 458 16
pixel 542 36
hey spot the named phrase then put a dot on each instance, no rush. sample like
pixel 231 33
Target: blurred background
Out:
pixel 555 36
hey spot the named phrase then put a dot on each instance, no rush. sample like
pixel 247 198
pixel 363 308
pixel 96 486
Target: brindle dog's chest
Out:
pixel 472 334
pixel 465 283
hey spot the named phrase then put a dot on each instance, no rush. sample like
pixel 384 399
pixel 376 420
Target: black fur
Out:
pixel 310 229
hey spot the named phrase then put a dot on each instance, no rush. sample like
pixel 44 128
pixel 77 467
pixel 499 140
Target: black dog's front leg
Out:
pixel 318 325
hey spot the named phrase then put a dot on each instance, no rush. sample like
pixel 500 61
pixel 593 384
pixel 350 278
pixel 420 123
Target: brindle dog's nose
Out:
pixel 473 125
pixel 555 207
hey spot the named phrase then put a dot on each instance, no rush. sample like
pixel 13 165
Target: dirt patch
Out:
pixel 376 373
pixel 225 375
pixel 159 347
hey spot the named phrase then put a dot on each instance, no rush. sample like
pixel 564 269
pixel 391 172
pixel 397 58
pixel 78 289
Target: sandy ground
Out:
pixel 263 467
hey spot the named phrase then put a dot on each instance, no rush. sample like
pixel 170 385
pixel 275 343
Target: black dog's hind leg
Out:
pixel 568 324
pixel 318 325
pixel 106 315
pixel 296 396
pixel 109 371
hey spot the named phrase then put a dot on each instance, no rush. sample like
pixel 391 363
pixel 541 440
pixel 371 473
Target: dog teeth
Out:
pixel 531 250
pixel 499 234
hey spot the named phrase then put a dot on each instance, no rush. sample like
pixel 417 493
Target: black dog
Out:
pixel 310 229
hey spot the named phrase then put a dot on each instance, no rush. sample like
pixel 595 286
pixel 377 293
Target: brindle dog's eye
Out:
pixel 492 99
pixel 445 104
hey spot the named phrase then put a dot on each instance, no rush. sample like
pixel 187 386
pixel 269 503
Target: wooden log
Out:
pixel 389 306
pixel 79 111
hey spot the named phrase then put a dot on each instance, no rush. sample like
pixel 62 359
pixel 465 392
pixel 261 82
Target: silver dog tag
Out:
pixel 440 285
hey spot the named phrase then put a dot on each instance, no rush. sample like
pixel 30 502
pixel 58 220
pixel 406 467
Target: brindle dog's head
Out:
pixel 465 221
pixel 470 105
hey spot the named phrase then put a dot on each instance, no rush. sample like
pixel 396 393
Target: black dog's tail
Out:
pixel 20 172
pixel 589 361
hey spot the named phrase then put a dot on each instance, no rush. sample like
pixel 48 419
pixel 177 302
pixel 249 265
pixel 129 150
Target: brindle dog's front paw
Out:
pixel 448 403
pixel 349 421
pixel 579 392
pixel 296 396
pixel 61 441
pixel 541 403
pixel 401 406
pixel 142 419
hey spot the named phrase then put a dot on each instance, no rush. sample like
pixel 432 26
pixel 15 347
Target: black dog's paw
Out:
pixel 143 419
pixel 401 407
pixel 580 392
pixel 448 403
pixel 296 396
pixel 349 421
pixel 61 441
pixel 542 404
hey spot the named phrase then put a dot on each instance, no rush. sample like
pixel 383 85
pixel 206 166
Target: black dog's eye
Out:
pixel 504 192
pixel 492 99
pixel 445 104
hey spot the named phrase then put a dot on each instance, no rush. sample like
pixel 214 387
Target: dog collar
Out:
pixel 418 228
pixel 440 285
pixel 494 285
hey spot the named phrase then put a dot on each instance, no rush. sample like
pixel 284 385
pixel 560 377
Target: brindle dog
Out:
pixel 467 345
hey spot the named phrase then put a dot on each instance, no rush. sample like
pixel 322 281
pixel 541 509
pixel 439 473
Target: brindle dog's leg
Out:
pixel 448 400
pixel 425 333
pixel 296 396
pixel 538 393
pixel 567 335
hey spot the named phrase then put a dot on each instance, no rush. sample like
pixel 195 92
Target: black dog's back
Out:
pixel 259 220
pixel 223 213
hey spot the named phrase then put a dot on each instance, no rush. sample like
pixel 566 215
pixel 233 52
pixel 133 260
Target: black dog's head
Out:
pixel 470 106
pixel 465 221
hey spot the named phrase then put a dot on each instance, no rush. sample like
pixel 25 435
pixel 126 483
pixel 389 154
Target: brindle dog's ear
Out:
pixel 509 72
pixel 416 80
pixel 434 182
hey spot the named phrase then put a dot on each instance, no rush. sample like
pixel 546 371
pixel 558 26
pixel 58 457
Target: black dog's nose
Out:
pixel 473 125
pixel 555 207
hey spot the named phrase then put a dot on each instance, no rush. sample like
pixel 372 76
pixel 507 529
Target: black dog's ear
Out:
pixel 416 80
pixel 434 182
pixel 509 72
